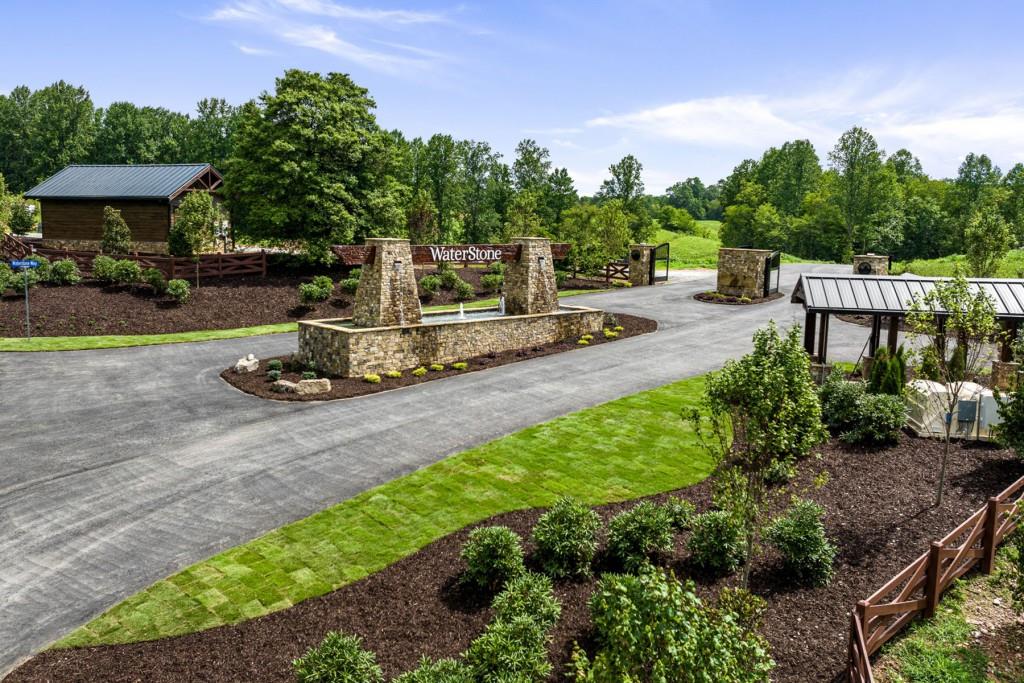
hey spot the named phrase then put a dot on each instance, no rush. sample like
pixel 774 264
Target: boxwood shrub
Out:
pixel 155 279
pixel 493 555
pixel 349 285
pixel 566 538
pixel 419 372
pixel 127 272
pixel 275 364
pixel 65 272
pixel 717 542
pixel 528 595
pixel 492 282
pixel 371 378
pixel 880 418
pixel 448 278
pixel 103 269
pixel 464 291
pixel 179 290
pixel 340 658
pixel 681 512
pixel 634 536
pixel 429 284
pixel 440 671
pixel 800 538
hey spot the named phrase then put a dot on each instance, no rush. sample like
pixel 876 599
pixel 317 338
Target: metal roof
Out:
pixel 872 294
pixel 141 181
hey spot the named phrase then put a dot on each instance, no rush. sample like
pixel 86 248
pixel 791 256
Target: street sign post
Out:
pixel 25 265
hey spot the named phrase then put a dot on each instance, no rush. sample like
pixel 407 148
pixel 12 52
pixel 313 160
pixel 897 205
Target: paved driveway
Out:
pixel 119 467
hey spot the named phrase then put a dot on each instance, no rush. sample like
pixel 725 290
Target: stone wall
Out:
pixel 387 294
pixel 94 245
pixel 344 351
pixel 530 282
pixel 640 256
pixel 741 272
pixel 870 264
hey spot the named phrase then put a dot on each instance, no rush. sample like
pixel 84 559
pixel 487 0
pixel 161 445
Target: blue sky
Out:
pixel 690 88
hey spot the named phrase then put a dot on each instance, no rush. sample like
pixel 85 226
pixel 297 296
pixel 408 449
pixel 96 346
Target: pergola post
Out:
pixel 823 338
pixel 894 334
pixel 810 322
pixel 876 335
pixel 1006 347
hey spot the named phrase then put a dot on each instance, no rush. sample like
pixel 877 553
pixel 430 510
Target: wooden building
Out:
pixel 72 201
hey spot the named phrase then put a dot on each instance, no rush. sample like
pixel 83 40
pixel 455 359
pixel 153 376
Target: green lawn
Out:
pixel 700 250
pixel 631 447
pixel 1011 267
pixel 122 340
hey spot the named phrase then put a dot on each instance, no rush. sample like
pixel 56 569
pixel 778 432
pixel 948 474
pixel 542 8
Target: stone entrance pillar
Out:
pixel 870 264
pixel 530 282
pixel 640 256
pixel 387 293
pixel 741 271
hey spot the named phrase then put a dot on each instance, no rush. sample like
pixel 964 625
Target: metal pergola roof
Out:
pixel 893 296
pixel 135 181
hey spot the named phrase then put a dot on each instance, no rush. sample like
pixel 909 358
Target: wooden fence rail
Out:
pixel 12 248
pixel 616 270
pixel 918 589
pixel 207 265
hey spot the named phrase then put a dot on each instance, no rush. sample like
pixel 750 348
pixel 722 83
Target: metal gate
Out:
pixel 772 272
pixel 659 255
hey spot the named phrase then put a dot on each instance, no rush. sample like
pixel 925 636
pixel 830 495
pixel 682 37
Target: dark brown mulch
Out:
pixel 258 384
pixel 218 304
pixel 879 514
pixel 729 300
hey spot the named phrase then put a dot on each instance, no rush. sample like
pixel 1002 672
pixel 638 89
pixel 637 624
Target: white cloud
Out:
pixel 326 40
pixel 552 131
pixel 254 51
pixel 378 16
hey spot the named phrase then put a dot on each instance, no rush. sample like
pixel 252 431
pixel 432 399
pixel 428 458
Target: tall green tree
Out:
pixel 522 219
pixel 560 195
pixel 480 219
pixel 788 174
pixel 987 238
pixel 731 186
pixel 626 185
pixel 210 133
pixel 976 179
pixel 531 167
pixel 305 159
pixel 195 222
pixel 127 134
pixel 1013 206
pixel 442 171
pixel 15 154
pixel 61 130
pixel 868 194
pixel 691 195
pixel 905 165
pixel 598 233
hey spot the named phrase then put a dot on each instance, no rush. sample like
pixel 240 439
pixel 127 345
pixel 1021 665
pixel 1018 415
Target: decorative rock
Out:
pixel 248 364
pixel 313 386
pixel 283 386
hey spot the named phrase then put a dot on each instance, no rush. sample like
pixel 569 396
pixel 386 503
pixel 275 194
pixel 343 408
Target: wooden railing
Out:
pixel 616 270
pixel 918 588
pixel 208 265
pixel 12 248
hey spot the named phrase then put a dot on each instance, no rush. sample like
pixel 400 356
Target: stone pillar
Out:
pixel 640 256
pixel 870 264
pixel 741 272
pixel 1005 375
pixel 530 282
pixel 387 293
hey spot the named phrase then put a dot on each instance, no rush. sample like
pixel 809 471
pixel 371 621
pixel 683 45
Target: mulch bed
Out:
pixel 258 384
pixel 218 304
pixel 729 300
pixel 879 513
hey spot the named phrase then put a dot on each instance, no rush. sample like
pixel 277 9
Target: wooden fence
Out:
pixel 616 270
pixel 919 587
pixel 208 265
pixel 12 248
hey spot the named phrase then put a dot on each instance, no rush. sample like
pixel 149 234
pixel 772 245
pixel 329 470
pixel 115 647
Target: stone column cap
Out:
pixel 531 239
pixel 386 239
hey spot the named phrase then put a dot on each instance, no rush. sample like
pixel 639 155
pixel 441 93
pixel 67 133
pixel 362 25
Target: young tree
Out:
pixel 598 234
pixel 987 238
pixel 195 221
pixel 117 237
pixel 23 219
pixel 6 207
pixel 953 310
pixel 764 411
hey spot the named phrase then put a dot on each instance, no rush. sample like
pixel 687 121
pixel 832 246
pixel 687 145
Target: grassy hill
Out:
pixel 1011 267
pixel 700 250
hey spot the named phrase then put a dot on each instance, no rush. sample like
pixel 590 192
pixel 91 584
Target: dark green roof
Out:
pixel 141 181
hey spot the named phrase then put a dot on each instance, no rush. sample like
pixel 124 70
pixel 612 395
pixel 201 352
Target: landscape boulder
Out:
pixel 248 364
pixel 283 386
pixel 313 386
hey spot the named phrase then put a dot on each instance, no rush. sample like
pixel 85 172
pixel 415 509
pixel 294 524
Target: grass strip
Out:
pixel 627 448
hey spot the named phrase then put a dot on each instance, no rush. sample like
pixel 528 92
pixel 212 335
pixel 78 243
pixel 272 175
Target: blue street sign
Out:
pixel 25 264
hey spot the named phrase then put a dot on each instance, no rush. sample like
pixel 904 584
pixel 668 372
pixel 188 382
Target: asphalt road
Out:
pixel 119 467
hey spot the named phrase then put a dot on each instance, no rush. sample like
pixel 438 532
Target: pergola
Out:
pixel 890 298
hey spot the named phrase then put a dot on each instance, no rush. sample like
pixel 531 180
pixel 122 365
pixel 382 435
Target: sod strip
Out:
pixel 124 340
pixel 631 447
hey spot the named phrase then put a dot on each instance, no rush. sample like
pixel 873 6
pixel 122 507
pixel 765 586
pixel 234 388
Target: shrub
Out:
pixel 65 272
pixel 560 277
pixel 513 651
pixel 155 279
pixel 529 595
pixel 717 542
pixel 8 279
pixel 1011 411
pixel 880 417
pixel 621 283
pixel 179 290
pixel 780 472
pixel 839 400
pixel 588 337
pixel 309 374
pixel 566 538
pixel 393 374
pixel 464 291
pixel 745 607
pixel 274 375
pixel 349 285
pixel 493 555
pixel 443 267
pixel 496 268
pixel 441 671
pixel 638 533
pixel 436 367
pixel 370 378
pixel 103 269
pixel 680 512
pixel 800 538
pixel 354 274
pixel 651 627
pixel 888 374
pixel 429 284
pixel 275 364
pixel 127 272
pixel 618 328
pixel 419 372
pixel 41 273
pixel 460 365
pixel 117 238
pixel 194 222
pixel 339 658
pixel 608 334
pixel 320 289
pixel 583 342
pixel 492 282
pixel 448 278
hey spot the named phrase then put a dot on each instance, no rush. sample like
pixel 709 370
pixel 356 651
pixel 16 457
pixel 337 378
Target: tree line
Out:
pixel 866 200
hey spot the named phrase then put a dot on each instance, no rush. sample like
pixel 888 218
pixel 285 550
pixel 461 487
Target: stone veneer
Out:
pixel 741 272
pixel 387 293
pixel 870 264
pixel 640 256
pixel 344 351
pixel 530 285
pixel 94 245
